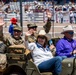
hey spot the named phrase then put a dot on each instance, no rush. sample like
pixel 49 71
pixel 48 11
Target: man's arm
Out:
pixel 47 26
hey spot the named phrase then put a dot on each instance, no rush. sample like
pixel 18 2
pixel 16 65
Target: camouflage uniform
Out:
pixel 32 38
pixel 12 41
pixel 2 38
pixel 47 26
pixel 3 60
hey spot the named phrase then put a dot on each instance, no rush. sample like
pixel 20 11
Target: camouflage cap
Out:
pixel 17 28
pixel 31 25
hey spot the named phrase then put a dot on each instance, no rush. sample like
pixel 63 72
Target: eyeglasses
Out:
pixel 71 33
pixel 34 28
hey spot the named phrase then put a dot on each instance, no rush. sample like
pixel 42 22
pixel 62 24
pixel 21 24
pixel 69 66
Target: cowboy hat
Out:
pixel 43 33
pixel 67 28
pixel 1 22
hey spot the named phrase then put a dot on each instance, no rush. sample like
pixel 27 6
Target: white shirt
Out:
pixel 39 54
pixel 71 15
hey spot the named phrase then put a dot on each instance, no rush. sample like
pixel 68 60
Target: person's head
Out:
pixel 35 2
pixel 42 38
pixel 17 32
pixel 68 31
pixel 1 26
pixel 8 6
pixel 13 20
pixel 33 27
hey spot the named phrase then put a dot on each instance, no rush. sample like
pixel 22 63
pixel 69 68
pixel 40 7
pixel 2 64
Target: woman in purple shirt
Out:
pixel 66 46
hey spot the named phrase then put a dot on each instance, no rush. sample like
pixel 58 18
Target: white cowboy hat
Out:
pixel 67 28
pixel 1 22
pixel 43 33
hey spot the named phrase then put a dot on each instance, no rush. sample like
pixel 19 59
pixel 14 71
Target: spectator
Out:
pixel 66 46
pixel 42 55
pixel 61 17
pixel 13 23
pixel 71 17
pixel 30 15
pixel 8 9
pixel 75 17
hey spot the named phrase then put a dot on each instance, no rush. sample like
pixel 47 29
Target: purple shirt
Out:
pixel 64 47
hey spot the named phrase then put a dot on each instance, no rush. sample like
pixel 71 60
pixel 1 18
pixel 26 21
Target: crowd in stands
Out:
pixel 62 13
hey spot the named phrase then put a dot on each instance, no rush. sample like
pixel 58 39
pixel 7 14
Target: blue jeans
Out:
pixel 54 65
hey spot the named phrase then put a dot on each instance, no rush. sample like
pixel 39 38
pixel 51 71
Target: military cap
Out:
pixel 31 25
pixel 17 28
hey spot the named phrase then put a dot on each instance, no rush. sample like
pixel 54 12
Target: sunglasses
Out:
pixel 71 33
pixel 33 27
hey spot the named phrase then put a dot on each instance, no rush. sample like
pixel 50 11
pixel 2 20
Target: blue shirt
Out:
pixel 64 47
pixel 11 29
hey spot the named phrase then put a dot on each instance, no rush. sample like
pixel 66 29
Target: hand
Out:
pixel 28 33
pixel 49 15
pixel 74 52
pixel 52 46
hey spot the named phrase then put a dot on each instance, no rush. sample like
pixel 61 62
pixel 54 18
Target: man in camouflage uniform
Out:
pixel 16 38
pixel 32 28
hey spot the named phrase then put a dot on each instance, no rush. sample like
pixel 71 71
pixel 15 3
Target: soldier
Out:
pixel 2 38
pixel 17 43
pixel 3 61
pixel 32 28
pixel 16 39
